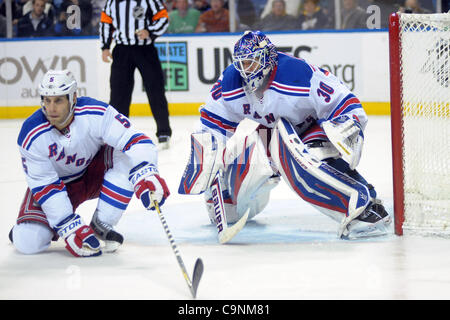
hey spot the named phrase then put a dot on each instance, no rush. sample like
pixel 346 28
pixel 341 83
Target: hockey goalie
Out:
pixel 308 131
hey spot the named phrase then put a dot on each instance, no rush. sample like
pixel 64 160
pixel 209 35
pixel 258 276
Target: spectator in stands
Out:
pixel 292 7
pixel 201 5
pixel 312 17
pixel 386 8
pixel 353 16
pixel 278 19
pixel 413 6
pixel 63 28
pixel 49 10
pixel 183 19
pixel 214 20
pixel 36 23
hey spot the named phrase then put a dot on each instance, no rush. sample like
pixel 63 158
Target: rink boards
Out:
pixel 191 63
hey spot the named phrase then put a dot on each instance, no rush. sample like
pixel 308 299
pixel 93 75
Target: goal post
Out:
pixel 419 46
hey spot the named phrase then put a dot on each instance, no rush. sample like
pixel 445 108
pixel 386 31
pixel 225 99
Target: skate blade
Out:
pixel 379 229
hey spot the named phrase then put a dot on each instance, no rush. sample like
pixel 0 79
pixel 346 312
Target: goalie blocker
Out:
pixel 245 175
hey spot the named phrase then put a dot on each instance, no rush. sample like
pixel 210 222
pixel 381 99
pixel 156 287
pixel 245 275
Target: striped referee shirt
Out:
pixel 120 19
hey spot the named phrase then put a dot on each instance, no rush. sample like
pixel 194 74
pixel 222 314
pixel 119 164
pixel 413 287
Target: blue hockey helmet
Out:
pixel 254 57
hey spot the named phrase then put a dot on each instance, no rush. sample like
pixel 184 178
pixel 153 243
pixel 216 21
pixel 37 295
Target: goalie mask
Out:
pixel 254 57
pixel 58 83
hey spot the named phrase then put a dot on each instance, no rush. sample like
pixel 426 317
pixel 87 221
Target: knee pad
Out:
pixel 31 237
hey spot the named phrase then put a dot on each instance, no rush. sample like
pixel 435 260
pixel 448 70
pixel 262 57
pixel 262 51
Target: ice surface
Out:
pixel 289 251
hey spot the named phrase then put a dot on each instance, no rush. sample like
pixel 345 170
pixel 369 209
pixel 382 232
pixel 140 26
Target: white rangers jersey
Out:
pixel 300 92
pixel 51 158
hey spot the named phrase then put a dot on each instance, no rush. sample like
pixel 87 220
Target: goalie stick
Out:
pixel 224 232
pixel 198 267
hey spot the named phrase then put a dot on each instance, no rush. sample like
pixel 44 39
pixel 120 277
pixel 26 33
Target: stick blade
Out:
pixel 197 275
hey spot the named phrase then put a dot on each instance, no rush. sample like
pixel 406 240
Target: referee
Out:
pixel 134 25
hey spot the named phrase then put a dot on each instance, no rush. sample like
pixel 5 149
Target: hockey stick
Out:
pixel 198 267
pixel 224 232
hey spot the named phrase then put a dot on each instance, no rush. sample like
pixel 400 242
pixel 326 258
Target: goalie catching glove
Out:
pixel 79 237
pixel 146 181
pixel 347 136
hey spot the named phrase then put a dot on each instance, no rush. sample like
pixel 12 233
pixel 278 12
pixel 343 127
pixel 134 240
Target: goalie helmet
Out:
pixel 254 57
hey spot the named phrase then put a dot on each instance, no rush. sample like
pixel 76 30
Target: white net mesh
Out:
pixel 425 68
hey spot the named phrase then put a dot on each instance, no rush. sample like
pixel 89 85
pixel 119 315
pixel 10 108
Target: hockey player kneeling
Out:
pixel 74 149
pixel 310 133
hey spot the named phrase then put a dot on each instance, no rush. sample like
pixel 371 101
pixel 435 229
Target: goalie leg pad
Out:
pixel 248 177
pixel 258 203
pixel 247 169
pixel 315 181
pixel 247 173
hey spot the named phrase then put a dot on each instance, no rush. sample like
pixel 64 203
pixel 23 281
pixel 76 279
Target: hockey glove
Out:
pixel 146 181
pixel 347 136
pixel 80 239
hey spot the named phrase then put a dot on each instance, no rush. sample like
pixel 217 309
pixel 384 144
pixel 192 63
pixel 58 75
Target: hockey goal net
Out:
pixel 419 47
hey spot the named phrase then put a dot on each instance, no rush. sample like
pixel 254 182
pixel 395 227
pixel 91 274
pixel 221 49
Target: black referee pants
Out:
pixel 145 58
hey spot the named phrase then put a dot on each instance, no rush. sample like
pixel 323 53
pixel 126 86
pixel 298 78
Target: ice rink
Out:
pixel 289 251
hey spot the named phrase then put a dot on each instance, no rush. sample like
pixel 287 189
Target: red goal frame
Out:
pixel 396 121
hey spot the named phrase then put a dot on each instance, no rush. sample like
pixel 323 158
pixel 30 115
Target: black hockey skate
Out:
pixel 374 213
pixel 374 221
pixel 105 232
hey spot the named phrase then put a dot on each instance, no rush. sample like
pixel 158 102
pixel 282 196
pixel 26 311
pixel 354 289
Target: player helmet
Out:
pixel 254 57
pixel 58 83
